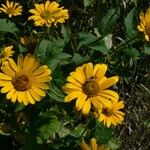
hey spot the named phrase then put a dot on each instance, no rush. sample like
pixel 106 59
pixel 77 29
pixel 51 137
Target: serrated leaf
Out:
pixel 42 49
pixel 78 130
pixel 66 34
pixel 50 127
pixel 54 61
pixel 86 38
pixel 56 94
pixel 102 133
pixel 8 26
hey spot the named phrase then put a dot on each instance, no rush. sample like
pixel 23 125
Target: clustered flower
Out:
pixel 47 13
pixel 89 86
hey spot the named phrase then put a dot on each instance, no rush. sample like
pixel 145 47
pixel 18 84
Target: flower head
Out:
pixel 6 53
pixel 30 42
pixel 48 13
pixel 145 24
pixel 93 146
pixel 111 114
pixel 89 85
pixel 11 9
pixel 26 81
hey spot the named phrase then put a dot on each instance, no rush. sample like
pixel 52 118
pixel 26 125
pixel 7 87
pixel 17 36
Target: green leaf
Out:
pixel 78 59
pixel 56 94
pixel 108 22
pixel 86 38
pixel 147 49
pixel 114 144
pixel 99 45
pixel 56 60
pixel 8 26
pixel 130 32
pixel 66 34
pixel 88 2
pixel 102 133
pixel 42 49
pixel 78 130
pixel 49 128
pixel 19 107
pixel 131 53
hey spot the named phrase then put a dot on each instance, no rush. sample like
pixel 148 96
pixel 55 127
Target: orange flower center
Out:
pixel 147 28
pixel 90 88
pixel 107 112
pixel 21 82
pixel 46 14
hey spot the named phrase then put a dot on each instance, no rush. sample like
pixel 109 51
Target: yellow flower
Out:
pixel 111 114
pixel 6 53
pixel 89 85
pixel 93 146
pixel 11 9
pixel 145 24
pixel 48 14
pixel 26 81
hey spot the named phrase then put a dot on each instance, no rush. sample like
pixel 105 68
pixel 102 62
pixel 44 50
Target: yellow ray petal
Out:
pixel 80 101
pixel 109 82
pixel 35 95
pixel 93 144
pixel 5 77
pixel 86 107
pixel 10 93
pixel 89 70
pixel 100 70
pixel 7 87
pixel 14 97
pixel 39 91
pixel 72 96
pixel 30 98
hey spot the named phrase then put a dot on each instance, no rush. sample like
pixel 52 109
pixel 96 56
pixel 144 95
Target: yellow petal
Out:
pixel 21 96
pixel 74 81
pixel 72 96
pixel 80 101
pixel 30 98
pixel 41 85
pixel 86 107
pixel 39 91
pixel 10 93
pixel 109 82
pixel 14 97
pixel 89 70
pixel 109 94
pixel 5 77
pixel 35 95
pixel 100 70
pixel 84 146
pixel 20 61
pixel 7 87
pixel 13 65
pixel 93 144
pixel 97 103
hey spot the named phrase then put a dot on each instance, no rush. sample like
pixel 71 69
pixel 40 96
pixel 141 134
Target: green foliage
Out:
pixel 8 26
pixel 97 31
pixel 102 133
pixel 50 127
